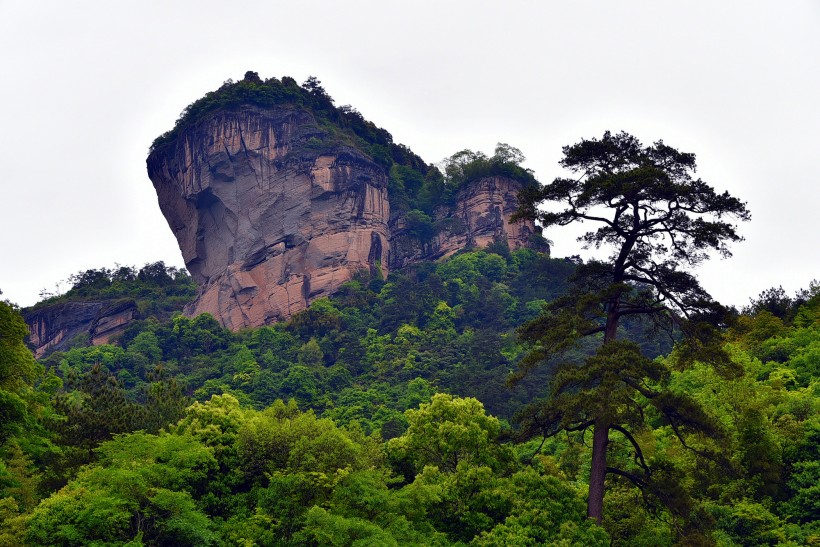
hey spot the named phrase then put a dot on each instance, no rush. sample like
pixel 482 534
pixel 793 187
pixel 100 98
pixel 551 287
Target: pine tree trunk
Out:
pixel 597 474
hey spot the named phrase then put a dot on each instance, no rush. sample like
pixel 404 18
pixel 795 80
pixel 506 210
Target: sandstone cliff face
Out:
pixel 54 327
pixel 270 215
pixel 480 217
pixel 265 224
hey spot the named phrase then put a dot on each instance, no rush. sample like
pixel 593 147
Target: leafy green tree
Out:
pixel 18 370
pixel 544 511
pixel 156 273
pixel 463 267
pixel 420 226
pixel 310 354
pixel 301 384
pixel 404 183
pixel 441 326
pixel 658 220
pixel 139 490
pixel 432 190
pixel 282 345
pixel 325 528
pixel 144 351
pixel 450 430
pixel 282 438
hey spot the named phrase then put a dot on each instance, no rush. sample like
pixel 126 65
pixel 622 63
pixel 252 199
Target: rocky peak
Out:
pixel 267 216
pixel 274 206
pixel 479 217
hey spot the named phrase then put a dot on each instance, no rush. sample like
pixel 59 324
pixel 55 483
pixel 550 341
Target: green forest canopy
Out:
pixel 191 418
pixel 382 416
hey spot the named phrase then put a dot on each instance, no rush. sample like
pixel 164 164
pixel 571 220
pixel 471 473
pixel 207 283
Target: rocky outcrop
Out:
pixel 480 216
pixel 56 327
pixel 273 210
pixel 267 215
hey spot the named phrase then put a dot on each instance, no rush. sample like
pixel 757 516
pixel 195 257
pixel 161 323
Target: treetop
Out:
pixel 646 203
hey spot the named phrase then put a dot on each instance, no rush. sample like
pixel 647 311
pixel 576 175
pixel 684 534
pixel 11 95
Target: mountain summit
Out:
pixel 277 197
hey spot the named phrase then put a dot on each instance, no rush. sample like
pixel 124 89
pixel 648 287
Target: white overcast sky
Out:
pixel 86 86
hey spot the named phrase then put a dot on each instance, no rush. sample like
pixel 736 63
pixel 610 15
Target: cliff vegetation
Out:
pixel 157 289
pixel 414 184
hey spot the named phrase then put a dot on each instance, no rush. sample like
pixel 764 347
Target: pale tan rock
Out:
pixel 265 225
pixel 480 216
pixel 111 324
pixel 55 327
pixel 270 216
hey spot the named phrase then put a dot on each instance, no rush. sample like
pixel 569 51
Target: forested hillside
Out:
pixel 495 397
pixel 382 416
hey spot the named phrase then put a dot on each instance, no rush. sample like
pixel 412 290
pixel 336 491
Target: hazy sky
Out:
pixel 88 85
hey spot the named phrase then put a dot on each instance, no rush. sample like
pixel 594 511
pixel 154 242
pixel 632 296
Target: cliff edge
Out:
pixel 56 327
pixel 265 223
pixel 277 202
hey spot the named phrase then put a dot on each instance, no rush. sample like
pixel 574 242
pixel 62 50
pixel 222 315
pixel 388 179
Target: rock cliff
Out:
pixel 55 327
pixel 480 216
pixel 269 218
pixel 273 209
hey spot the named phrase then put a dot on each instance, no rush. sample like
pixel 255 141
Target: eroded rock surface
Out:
pixel 480 216
pixel 270 215
pixel 55 327
pixel 266 217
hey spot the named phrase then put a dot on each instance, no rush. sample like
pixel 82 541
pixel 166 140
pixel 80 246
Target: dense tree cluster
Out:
pixel 158 290
pixel 179 433
pixel 449 326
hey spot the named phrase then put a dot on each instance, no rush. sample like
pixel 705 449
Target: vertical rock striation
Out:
pixel 268 217
pixel 57 326
pixel 480 216
pixel 272 210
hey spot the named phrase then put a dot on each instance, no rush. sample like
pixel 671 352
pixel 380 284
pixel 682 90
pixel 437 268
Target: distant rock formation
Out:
pixel 480 216
pixel 270 216
pixel 265 224
pixel 55 327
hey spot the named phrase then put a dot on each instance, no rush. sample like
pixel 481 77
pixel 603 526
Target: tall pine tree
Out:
pixel 658 221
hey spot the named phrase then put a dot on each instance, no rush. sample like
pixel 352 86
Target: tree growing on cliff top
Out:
pixel 467 166
pixel 658 220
